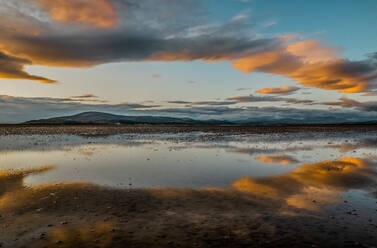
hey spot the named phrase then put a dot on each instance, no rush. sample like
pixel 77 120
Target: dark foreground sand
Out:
pixel 84 215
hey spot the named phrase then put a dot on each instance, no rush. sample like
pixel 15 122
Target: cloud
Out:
pixel 372 93
pixel 252 98
pixel 241 89
pixel 164 30
pixel 314 65
pixel 172 31
pixel 345 102
pixel 98 13
pixel 281 91
pixel 207 103
pixel 13 68
pixel 83 96
pixel 179 102
pixel 20 109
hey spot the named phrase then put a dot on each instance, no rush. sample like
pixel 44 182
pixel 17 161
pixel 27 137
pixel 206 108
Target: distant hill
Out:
pixel 106 118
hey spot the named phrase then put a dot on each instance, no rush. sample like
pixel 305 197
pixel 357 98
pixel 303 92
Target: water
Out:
pixel 308 171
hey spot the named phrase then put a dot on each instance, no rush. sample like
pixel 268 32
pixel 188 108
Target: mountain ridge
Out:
pixel 94 117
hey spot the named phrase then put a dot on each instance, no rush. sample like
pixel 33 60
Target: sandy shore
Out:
pixel 141 129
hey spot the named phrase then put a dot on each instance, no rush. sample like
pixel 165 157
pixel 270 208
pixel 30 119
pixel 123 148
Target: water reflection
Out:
pixel 281 159
pixel 313 185
pixel 310 186
pixel 13 180
pixel 316 171
pixel 99 235
pixel 348 147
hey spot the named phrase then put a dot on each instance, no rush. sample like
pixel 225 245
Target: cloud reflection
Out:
pixel 313 185
pixel 12 180
pixel 281 159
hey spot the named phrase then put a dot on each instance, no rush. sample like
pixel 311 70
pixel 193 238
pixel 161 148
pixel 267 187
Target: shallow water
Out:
pixel 307 171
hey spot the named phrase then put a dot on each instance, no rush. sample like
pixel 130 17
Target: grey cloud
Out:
pixel 345 102
pixel 269 115
pixel 205 103
pixel 19 109
pixel 179 102
pixel 13 67
pixel 90 49
pixel 83 96
pixel 241 89
pixel 170 27
pixel 253 98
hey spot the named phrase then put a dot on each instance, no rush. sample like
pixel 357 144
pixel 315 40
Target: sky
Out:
pixel 204 59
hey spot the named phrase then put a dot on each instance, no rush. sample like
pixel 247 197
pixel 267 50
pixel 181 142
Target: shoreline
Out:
pixel 21 129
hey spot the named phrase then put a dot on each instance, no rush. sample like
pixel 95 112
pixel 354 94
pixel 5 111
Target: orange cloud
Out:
pixel 98 13
pixel 281 91
pixel 311 64
pixel 312 51
pixel 307 62
pixel 190 56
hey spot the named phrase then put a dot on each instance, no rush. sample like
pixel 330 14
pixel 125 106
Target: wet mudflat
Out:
pixel 188 189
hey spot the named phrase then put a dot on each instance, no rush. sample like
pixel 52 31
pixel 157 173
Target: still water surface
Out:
pixel 301 168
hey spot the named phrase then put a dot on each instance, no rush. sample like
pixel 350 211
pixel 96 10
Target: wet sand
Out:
pixel 252 213
pixel 81 215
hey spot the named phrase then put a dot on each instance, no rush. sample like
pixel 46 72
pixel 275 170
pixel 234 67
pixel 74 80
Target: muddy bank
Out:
pixel 141 129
